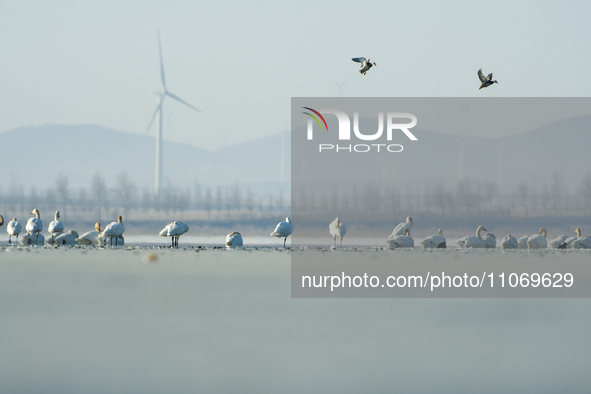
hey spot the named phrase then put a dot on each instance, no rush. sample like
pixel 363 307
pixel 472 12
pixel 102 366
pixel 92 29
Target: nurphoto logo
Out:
pixel 344 132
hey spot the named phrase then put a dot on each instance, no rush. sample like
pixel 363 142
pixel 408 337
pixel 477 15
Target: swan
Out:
pixel 365 64
pixel 581 242
pixel 489 241
pixel 69 238
pixel 283 230
pixel 472 241
pixel 174 230
pixel 337 229
pixel 509 242
pixel 35 225
pixel 401 241
pixel 234 240
pixel 486 81
pixel 569 241
pixel 114 230
pixel 1 220
pixel 557 242
pixel 13 228
pixel 29 239
pixel 522 242
pixel 55 228
pixel 92 237
pixel 538 241
pixel 399 230
pixel 435 241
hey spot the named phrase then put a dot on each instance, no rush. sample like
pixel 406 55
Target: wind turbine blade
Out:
pixel 154 115
pixel 161 62
pixel 340 84
pixel 182 101
pixel 152 120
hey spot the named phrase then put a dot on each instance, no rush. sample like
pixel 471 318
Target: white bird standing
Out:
pixel 92 237
pixel 581 242
pixel 471 241
pixel 174 230
pixel 435 241
pixel 234 240
pixel 337 229
pixel 69 239
pixel 399 230
pixel 401 241
pixel 538 241
pixel 13 228
pixel 509 242
pixel 283 230
pixel 34 225
pixel 489 241
pixel 56 227
pixel 114 230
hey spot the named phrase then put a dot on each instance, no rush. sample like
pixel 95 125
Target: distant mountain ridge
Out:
pixel 36 155
pixel 533 156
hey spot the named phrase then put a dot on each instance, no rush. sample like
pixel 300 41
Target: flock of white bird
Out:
pixel 112 234
pixel 400 238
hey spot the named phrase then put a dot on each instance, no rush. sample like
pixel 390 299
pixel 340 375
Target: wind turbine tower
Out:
pixel 165 93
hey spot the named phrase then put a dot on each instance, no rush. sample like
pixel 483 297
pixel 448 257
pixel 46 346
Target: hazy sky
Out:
pixel 72 62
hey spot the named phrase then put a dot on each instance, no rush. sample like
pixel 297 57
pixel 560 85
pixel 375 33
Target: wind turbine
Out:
pixel 158 111
pixel 340 85
pixel 341 90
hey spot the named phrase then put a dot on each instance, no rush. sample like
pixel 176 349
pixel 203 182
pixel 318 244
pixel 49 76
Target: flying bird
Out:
pixel 366 64
pixel 486 81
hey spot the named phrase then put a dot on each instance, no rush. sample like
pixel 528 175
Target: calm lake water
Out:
pixel 181 321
